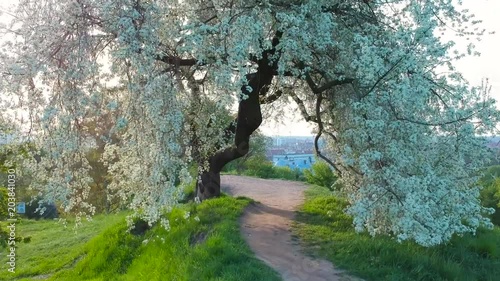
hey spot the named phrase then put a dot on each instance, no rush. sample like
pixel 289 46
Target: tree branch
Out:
pixel 318 135
pixel 177 61
pixel 333 83
pixel 271 98
pixel 302 108
pixel 328 85
pixel 461 119
pixel 248 120
pixel 384 75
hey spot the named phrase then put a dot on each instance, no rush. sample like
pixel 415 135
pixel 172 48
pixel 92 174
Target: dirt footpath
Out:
pixel 266 228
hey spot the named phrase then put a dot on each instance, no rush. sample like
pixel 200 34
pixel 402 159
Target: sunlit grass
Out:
pixel 207 245
pixel 52 247
pixel 329 234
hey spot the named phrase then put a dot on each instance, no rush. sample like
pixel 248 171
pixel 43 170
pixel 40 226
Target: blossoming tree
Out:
pixel 402 125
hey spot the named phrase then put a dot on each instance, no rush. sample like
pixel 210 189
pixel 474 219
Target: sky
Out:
pixel 475 69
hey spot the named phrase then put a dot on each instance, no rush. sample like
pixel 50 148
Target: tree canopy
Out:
pixel 403 128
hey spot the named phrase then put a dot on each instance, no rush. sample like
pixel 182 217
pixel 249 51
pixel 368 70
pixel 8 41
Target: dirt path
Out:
pixel 266 228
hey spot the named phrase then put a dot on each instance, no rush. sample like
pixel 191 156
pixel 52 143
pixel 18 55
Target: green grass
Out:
pixel 210 248
pixel 52 247
pixel 329 234
pixel 269 172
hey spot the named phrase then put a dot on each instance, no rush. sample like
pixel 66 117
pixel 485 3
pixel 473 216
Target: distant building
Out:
pixel 294 161
pixel 292 151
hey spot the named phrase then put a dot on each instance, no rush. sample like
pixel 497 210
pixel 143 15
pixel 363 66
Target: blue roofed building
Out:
pixel 293 161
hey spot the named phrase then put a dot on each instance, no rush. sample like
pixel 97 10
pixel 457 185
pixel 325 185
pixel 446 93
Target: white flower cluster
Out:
pixel 409 138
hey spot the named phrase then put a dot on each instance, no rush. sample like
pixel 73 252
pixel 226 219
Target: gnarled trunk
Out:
pixel 248 120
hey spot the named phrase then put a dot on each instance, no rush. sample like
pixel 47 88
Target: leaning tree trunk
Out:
pixel 248 120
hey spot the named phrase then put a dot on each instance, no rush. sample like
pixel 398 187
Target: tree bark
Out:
pixel 248 120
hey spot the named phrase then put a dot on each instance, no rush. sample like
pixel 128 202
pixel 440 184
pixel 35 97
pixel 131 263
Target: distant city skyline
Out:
pixel 295 152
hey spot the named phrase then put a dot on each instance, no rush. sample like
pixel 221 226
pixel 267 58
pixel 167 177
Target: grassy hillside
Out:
pixel 329 233
pixel 52 247
pixel 203 243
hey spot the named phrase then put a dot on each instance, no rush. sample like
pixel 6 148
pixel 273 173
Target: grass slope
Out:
pixel 207 245
pixel 329 233
pixel 52 247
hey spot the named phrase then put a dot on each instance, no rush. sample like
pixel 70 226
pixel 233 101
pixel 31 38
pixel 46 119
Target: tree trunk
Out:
pixel 248 120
